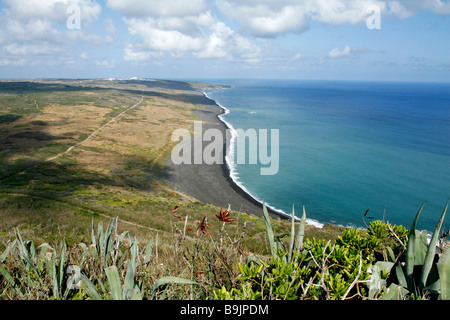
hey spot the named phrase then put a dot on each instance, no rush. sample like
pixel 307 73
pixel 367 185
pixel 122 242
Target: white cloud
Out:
pixel 158 8
pixel 225 43
pixel 15 49
pixel 170 26
pixel 32 30
pixel 35 32
pixel 336 53
pixel 440 7
pixel 272 18
pixel 106 63
pixel 138 55
pixel 56 10
pixel 216 45
pixel 407 8
pixel 157 37
pixel 347 51
pixel 339 12
pixel 178 29
pixel 266 19
pixel 399 10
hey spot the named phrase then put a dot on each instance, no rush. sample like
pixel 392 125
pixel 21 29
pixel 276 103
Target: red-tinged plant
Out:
pixel 224 216
pixel 202 227
pixel 174 209
pixel 241 251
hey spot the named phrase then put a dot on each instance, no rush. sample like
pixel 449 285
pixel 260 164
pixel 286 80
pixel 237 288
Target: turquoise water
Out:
pixel 346 147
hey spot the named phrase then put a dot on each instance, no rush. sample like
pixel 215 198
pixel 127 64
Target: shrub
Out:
pixel 309 269
pixel 370 264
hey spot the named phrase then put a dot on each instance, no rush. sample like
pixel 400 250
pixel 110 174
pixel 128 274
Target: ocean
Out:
pixel 346 147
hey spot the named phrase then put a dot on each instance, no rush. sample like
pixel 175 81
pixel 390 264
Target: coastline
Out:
pixel 231 176
pixel 213 184
pixel 229 171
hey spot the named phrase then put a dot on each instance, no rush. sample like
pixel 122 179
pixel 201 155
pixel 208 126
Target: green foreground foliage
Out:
pixel 383 262
pixel 387 263
pixel 111 267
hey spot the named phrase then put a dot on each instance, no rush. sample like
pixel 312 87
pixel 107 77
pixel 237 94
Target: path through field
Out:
pixel 96 131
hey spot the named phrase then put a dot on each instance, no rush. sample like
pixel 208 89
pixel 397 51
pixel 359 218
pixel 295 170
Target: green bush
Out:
pixel 320 271
pixel 382 240
pixel 370 264
pixel 309 269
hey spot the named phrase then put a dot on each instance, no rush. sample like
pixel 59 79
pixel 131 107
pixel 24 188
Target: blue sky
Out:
pixel 213 39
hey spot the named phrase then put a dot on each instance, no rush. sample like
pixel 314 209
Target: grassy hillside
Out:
pixel 78 153
pixel 82 183
pixel 73 150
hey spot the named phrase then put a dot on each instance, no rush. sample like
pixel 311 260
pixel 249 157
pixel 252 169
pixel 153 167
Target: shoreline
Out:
pixel 213 184
pixel 228 174
pixel 228 170
pixel 241 189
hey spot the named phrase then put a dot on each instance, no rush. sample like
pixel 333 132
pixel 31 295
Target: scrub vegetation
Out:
pixel 87 212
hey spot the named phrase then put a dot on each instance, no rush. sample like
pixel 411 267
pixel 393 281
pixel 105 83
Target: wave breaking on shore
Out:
pixel 234 175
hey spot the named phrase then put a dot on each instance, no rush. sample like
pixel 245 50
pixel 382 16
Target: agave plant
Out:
pixel 296 239
pixel 422 272
pixel 45 270
pixel 130 289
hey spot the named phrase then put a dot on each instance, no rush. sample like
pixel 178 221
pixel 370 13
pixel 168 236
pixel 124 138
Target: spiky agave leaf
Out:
pixel 292 239
pixel 115 287
pixel 269 230
pixel 8 249
pixel 148 251
pixel 301 231
pixel 89 287
pixel 129 288
pixel 444 272
pixel 108 240
pixel 429 258
pixel 170 280
pixel 410 252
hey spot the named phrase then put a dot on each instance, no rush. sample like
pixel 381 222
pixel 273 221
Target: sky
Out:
pixel 401 40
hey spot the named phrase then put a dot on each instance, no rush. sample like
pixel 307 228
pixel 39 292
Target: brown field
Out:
pixel 76 153
pixel 74 150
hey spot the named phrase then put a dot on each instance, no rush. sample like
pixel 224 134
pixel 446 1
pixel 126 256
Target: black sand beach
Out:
pixel 212 184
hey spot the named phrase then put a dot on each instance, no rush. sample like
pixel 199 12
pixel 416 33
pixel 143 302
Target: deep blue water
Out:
pixel 346 147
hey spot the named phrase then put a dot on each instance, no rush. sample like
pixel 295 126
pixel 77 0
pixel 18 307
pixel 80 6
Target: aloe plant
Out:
pixel 169 280
pixel 105 244
pixel 108 246
pixel 296 239
pixel 130 291
pixel 296 242
pixel 57 270
pixel 301 231
pixel 443 266
pixel 269 230
pixel 420 263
